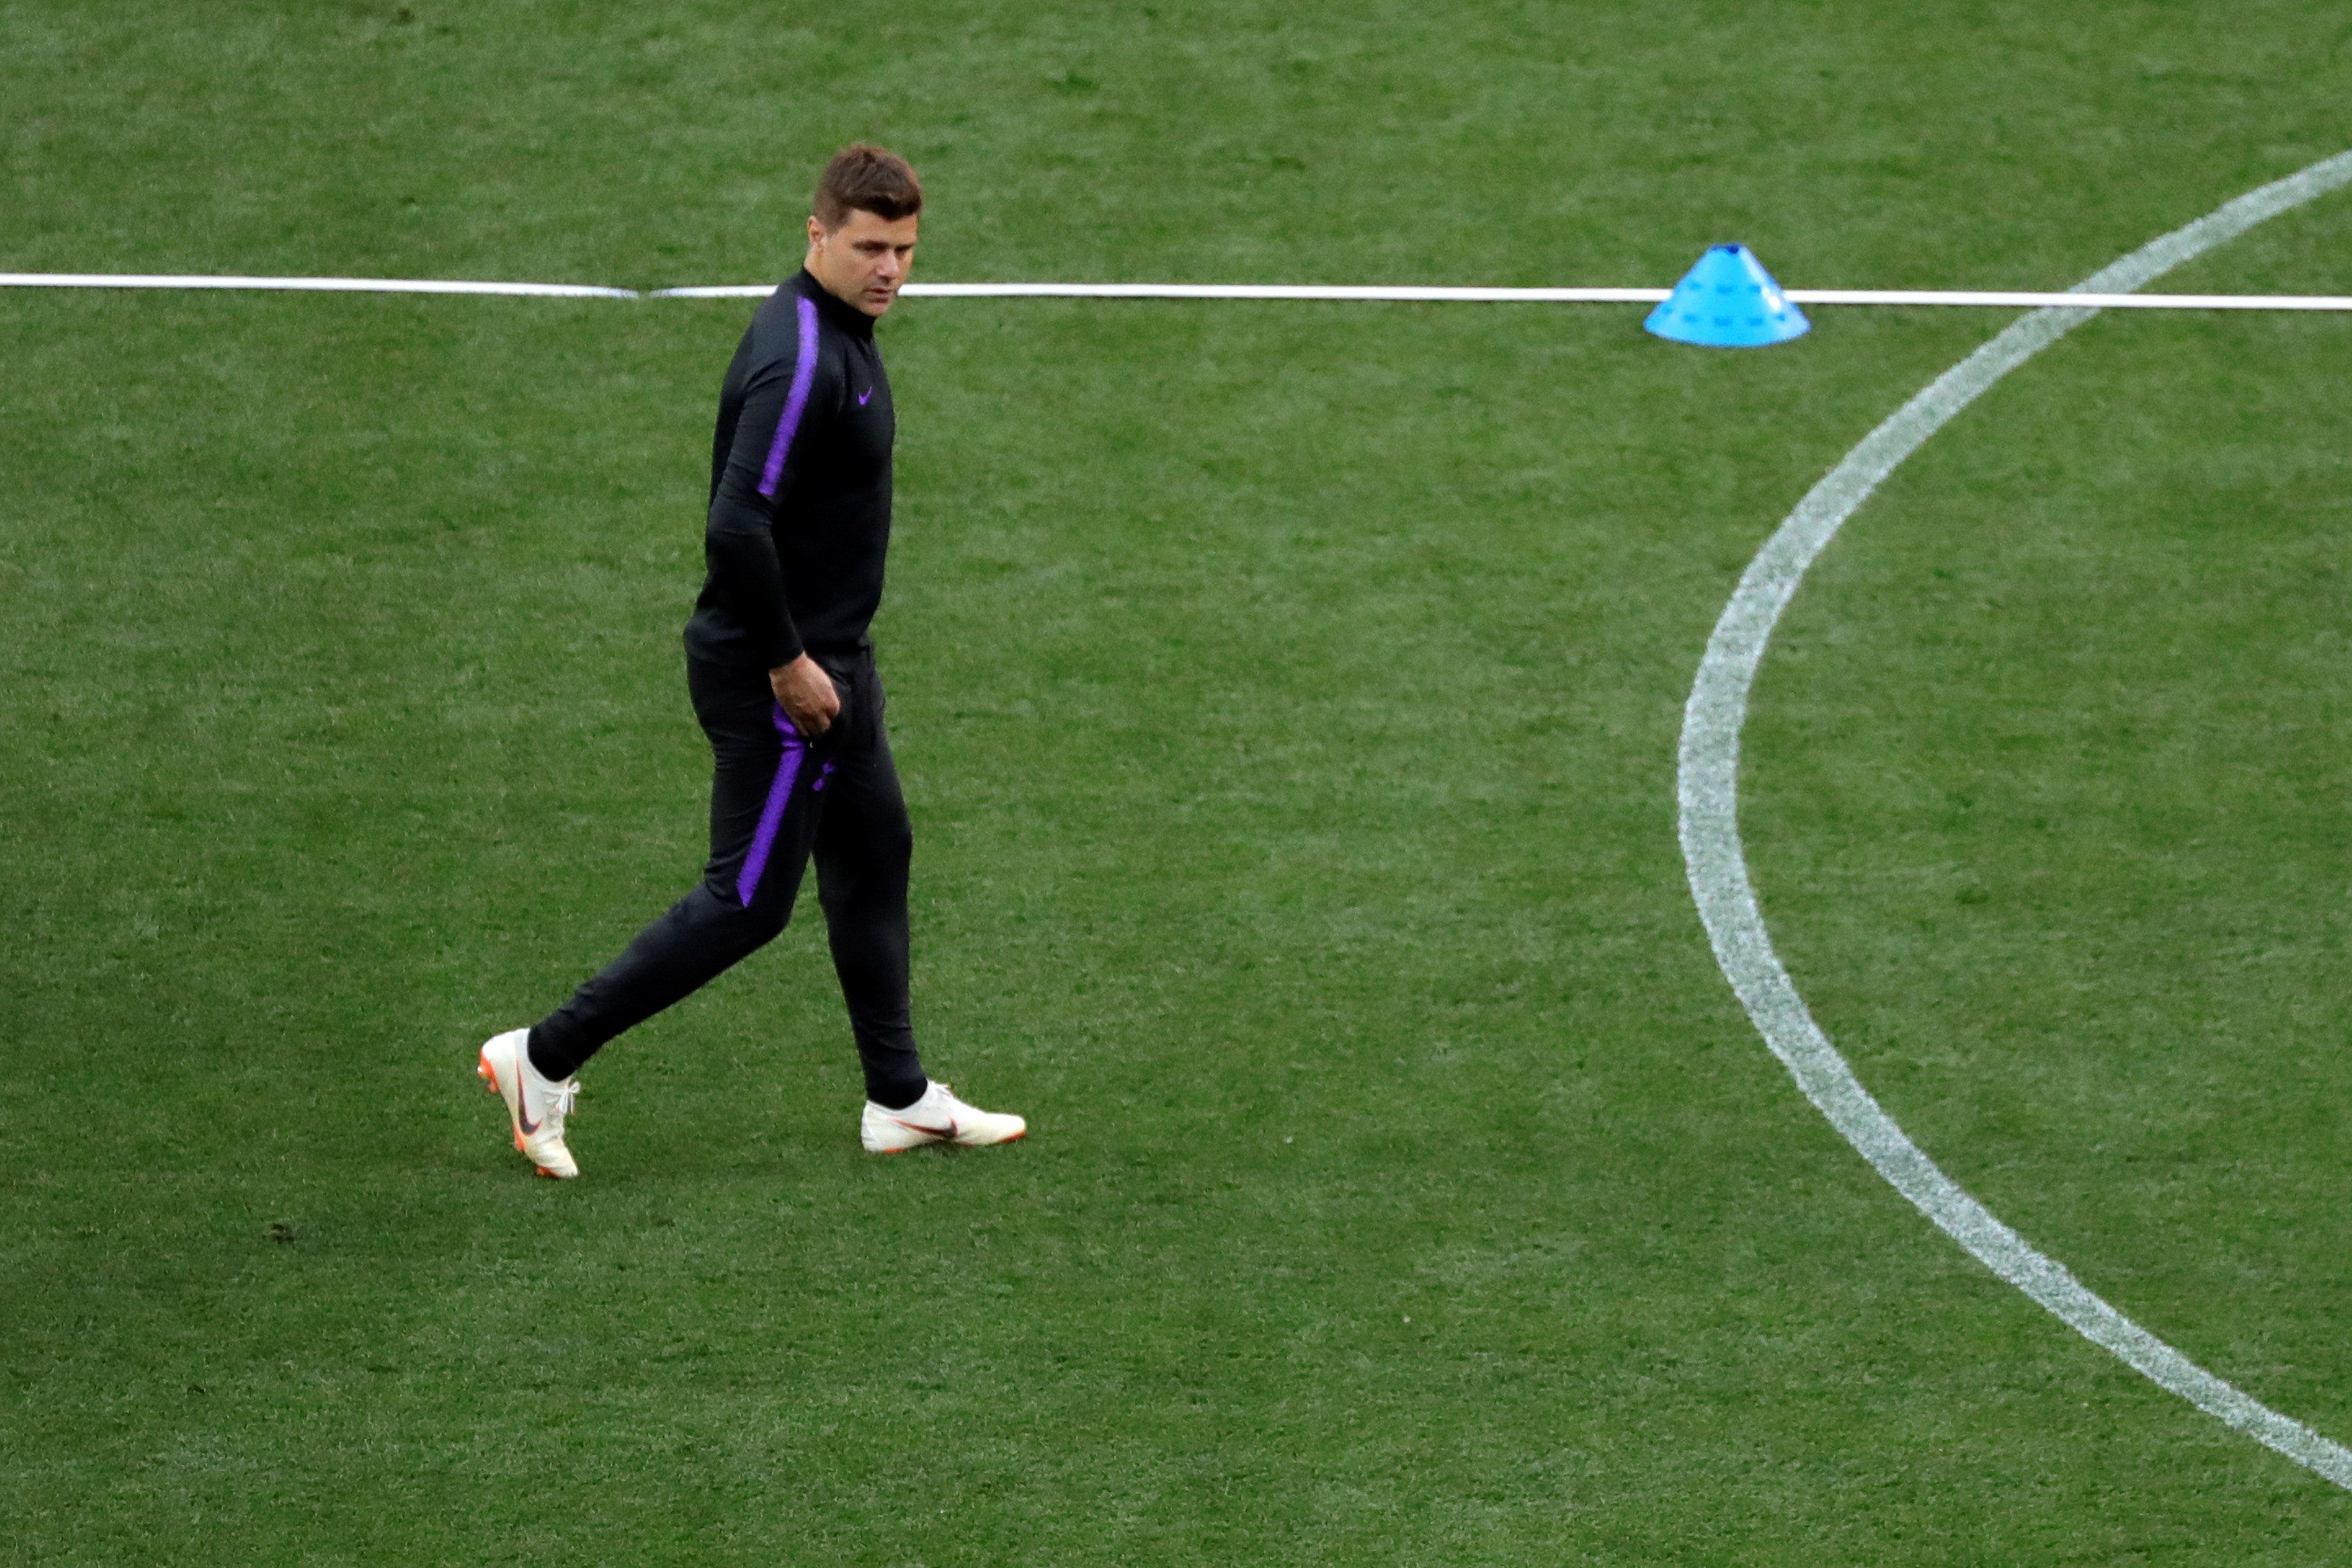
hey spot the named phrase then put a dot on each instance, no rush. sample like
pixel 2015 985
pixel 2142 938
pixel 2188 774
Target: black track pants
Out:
pixel 776 799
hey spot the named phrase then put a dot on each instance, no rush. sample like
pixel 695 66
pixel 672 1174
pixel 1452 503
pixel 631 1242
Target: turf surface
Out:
pixel 1287 696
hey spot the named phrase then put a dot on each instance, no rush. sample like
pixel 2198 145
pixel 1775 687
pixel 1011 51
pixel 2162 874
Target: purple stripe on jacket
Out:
pixel 796 401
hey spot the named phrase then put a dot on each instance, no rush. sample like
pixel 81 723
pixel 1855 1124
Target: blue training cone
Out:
pixel 1728 301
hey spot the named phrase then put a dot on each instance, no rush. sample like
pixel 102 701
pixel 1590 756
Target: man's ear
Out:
pixel 816 230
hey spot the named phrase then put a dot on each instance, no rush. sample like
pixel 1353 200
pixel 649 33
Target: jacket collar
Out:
pixel 840 312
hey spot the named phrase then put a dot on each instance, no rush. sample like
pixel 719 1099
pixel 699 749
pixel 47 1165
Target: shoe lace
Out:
pixel 558 1098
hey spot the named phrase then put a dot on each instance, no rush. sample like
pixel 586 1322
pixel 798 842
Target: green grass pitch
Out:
pixel 1287 697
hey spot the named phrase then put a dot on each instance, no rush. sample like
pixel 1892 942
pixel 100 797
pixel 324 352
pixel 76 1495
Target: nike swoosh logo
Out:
pixel 947 1132
pixel 522 1116
pixel 863 396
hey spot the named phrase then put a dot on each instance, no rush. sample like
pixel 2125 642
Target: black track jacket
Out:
pixel 800 486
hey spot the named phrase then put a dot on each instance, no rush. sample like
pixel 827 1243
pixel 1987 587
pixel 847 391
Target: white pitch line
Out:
pixel 739 291
pixel 306 284
pixel 1345 292
pixel 1708 783
pixel 1995 298
pixel 2071 299
pixel 1400 292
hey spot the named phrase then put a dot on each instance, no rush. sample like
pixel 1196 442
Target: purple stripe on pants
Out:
pixel 772 815
pixel 796 401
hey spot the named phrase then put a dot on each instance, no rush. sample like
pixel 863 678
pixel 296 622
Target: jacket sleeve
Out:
pixel 780 401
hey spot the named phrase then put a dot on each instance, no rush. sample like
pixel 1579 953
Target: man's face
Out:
pixel 865 260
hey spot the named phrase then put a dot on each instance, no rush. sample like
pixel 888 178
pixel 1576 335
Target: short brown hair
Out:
pixel 867 179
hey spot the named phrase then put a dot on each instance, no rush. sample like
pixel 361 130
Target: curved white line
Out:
pixel 1708 788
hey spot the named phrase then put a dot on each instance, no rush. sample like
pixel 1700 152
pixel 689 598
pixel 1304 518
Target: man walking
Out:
pixel 781 671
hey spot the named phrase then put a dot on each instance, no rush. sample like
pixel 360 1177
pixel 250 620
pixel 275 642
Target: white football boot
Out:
pixel 937 1118
pixel 535 1106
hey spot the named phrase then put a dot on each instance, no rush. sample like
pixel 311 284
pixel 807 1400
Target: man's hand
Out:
pixel 804 691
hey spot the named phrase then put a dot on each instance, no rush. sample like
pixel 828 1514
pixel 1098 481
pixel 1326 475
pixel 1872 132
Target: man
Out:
pixel 781 672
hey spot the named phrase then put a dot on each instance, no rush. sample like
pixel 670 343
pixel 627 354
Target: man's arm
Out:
pixel 738 540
